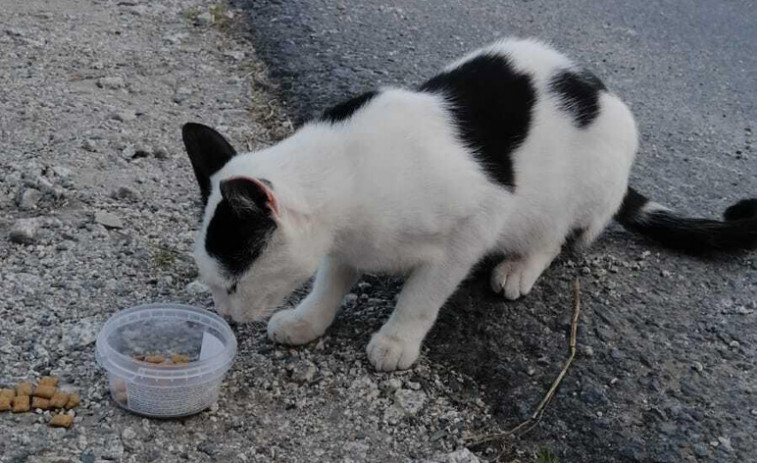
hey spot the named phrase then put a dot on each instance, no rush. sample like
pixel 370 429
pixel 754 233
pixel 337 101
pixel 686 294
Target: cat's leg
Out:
pixel 516 275
pixel 397 344
pixel 317 311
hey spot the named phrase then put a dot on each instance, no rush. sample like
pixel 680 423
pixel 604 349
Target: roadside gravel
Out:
pixel 98 209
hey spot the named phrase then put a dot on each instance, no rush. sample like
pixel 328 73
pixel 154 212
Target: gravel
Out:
pixel 98 211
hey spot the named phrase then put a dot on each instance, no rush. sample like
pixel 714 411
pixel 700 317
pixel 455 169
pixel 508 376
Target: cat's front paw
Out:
pixel 285 327
pixel 392 352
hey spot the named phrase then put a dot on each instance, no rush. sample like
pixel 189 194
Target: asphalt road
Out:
pixel 672 375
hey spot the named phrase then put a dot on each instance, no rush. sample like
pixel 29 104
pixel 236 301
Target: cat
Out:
pixel 513 149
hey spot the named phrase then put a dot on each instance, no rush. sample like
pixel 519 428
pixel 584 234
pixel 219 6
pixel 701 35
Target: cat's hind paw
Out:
pixel 285 327
pixel 389 353
pixel 516 277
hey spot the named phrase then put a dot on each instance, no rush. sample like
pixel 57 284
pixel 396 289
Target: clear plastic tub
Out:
pixel 165 390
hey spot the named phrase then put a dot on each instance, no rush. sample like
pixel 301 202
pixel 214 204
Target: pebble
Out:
pixel 29 199
pixel 111 83
pixel 303 371
pixel 587 351
pixel 89 145
pixel 124 116
pixel 24 231
pixel 126 193
pixel 697 366
pixel 700 450
pixel 196 288
pixel 204 19
pixel 208 448
pixel 726 443
pixel 236 55
pixel 108 220
pixel 161 153
pixel 410 401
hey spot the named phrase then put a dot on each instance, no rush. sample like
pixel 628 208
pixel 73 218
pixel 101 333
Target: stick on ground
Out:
pixel 536 417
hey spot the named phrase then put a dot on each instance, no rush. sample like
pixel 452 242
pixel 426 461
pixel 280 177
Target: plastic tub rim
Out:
pixel 210 366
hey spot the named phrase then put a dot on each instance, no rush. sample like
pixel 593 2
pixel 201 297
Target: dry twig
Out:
pixel 536 417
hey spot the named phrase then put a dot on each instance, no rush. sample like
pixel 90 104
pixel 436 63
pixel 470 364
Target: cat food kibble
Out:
pixel 21 404
pixel 24 388
pixel 59 399
pixel 49 381
pixel 62 421
pixel 155 358
pixel 179 358
pixel 46 392
pixel 73 401
pixel 7 393
pixel 5 404
pixel 39 402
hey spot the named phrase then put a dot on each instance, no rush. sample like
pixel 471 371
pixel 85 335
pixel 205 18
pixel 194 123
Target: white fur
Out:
pixel 392 190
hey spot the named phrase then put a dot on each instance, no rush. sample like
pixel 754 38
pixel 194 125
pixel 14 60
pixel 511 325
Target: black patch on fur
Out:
pixel 346 109
pixel 692 235
pixel 237 239
pixel 491 104
pixel 579 95
pixel 744 209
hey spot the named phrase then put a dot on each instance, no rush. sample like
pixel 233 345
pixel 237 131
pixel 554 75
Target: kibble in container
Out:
pixel 165 390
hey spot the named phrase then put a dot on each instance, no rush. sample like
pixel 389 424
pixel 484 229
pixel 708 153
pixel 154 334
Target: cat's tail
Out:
pixel 737 230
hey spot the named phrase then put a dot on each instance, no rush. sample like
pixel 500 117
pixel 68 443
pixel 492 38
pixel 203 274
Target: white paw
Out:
pixel 285 327
pixel 389 353
pixel 515 277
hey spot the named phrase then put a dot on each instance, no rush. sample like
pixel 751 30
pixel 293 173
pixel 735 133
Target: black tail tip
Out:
pixel 744 209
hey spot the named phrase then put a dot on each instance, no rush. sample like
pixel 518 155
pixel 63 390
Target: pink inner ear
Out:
pixel 272 202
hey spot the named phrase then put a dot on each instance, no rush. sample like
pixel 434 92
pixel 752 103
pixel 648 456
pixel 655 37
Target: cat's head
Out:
pixel 249 250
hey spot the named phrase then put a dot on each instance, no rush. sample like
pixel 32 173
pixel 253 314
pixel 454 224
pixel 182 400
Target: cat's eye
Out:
pixel 232 289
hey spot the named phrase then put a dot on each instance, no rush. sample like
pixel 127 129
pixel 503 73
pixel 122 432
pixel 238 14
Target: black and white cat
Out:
pixel 512 149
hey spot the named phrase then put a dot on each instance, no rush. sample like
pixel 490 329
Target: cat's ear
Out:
pixel 208 151
pixel 246 194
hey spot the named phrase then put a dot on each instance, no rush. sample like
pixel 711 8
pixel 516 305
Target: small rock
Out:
pixel 587 351
pixel 303 371
pixel 410 401
pixel 530 371
pixel 700 450
pixel 24 231
pixel 208 448
pixel 108 220
pixel 128 434
pixel 126 193
pixel 350 299
pixel 235 55
pixel 697 366
pixel 204 19
pixel 80 334
pixel 161 153
pixel 29 199
pixel 665 274
pixel 726 443
pixel 89 145
pixel 111 83
pixel 196 288
pixel 124 116
pixel 392 384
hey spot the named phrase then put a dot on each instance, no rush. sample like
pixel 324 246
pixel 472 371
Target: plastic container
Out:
pixel 165 390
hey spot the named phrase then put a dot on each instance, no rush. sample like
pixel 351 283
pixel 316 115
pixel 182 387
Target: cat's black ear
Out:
pixel 208 151
pixel 249 195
